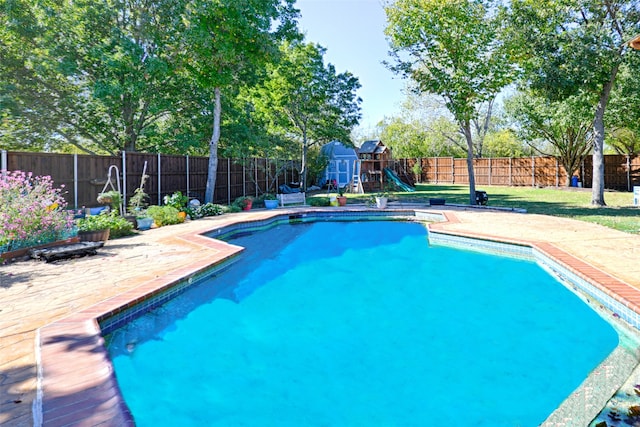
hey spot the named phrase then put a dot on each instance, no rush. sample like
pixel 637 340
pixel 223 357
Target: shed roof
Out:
pixel 338 149
pixel 372 147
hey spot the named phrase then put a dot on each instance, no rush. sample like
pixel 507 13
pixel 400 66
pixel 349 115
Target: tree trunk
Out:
pixel 466 129
pixel 212 169
pixel 127 117
pixel 303 171
pixel 597 188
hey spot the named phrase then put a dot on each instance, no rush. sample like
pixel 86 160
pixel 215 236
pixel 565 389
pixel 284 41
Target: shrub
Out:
pixel 232 209
pixel 318 201
pixel 164 215
pixel 209 209
pixel 176 200
pixel 32 211
pixel 243 201
pixel 118 226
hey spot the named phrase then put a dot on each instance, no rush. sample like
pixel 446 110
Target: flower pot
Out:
pixel 270 204
pixel 132 219
pixel 105 200
pixel 342 201
pixel 247 205
pixel 182 215
pixel 145 223
pixel 381 202
pixel 94 236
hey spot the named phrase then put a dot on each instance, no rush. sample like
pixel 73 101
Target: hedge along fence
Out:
pixel 84 176
pixel 621 172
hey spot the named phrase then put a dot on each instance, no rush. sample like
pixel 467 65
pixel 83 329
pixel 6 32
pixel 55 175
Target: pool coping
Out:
pixel 71 353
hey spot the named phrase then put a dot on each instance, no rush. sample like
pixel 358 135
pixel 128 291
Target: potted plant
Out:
pixel 342 200
pixel 244 203
pixel 94 228
pixel 382 198
pixel 137 209
pixel 270 201
pixel 178 201
pixel 112 198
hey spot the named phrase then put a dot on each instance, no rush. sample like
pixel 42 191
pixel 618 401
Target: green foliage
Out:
pixel 564 125
pixel 316 164
pixel 164 215
pixel 109 76
pixel 451 49
pixel 623 112
pixel 232 209
pixel 318 201
pixel 259 201
pixel 243 201
pixel 304 98
pixel 118 226
pixel 112 198
pixel 504 143
pixel 210 209
pixel 573 50
pixel 138 202
pixel 32 211
pixel 619 215
pixel 176 200
pixel 454 50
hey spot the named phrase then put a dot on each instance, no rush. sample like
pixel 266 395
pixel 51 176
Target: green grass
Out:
pixel 619 214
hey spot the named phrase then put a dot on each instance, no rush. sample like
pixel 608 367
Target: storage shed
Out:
pixel 341 163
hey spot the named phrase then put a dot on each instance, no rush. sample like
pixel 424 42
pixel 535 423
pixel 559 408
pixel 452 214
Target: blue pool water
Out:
pixel 360 324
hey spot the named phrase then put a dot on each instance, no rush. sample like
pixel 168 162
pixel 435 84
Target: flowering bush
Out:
pixel 32 211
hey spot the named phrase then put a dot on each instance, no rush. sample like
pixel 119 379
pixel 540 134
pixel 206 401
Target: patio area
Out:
pixel 35 294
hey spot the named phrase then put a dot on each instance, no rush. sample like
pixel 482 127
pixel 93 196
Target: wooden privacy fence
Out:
pixel 85 176
pixel 620 173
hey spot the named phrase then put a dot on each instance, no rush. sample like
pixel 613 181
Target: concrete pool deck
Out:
pixel 34 294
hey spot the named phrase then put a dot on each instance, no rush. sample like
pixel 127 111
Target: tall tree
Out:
pixel 226 42
pixel 574 48
pixel 623 113
pixel 306 100
pixel 97 74
pixel 451 49
pixel 564 125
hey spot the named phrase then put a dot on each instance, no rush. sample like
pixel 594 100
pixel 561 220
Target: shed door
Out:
pixel 343 172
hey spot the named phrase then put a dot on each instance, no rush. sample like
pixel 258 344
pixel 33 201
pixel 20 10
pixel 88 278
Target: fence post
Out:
pixel 255 174
pixel 628 173
pixel 187 158
pixel 3 162
pixel 244 178
pixel 159 179
pixel 75 180
pixel 511 180
pixel 124 179
pixel 453 170
pixel 533 171
pixel 228 181
pixel 489 170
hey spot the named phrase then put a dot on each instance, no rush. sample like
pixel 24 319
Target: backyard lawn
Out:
pixel 619 214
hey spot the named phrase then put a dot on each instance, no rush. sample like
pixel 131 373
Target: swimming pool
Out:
pixel 360 324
